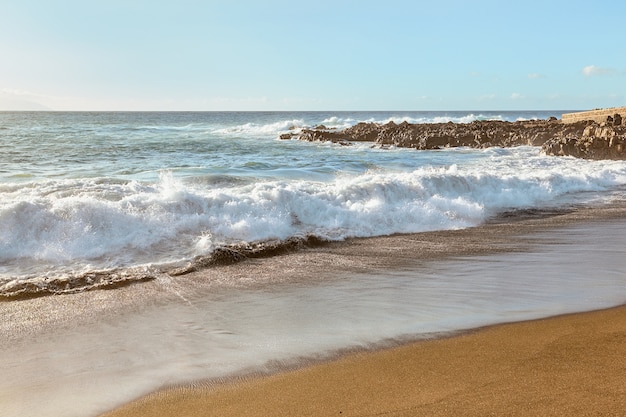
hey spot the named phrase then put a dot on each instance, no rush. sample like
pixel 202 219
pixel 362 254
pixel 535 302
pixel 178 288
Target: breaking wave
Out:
pixel 71 228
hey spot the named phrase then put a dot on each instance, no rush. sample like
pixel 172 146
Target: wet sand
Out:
pixel 31 317
pixel 571 365
pixel 561 366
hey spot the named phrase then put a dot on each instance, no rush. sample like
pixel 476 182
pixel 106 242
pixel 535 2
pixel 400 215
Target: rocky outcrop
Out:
pixel 597 141
pixel 586 139
pixel 478 134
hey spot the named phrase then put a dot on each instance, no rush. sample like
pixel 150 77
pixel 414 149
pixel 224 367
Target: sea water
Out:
pixel 140 192
pixel 85 192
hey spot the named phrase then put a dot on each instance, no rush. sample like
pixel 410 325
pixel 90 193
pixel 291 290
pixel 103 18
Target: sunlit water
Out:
pixel 84 192
pixel 225 332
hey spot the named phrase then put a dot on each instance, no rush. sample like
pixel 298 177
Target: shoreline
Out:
pixel 571 364
pixel 508 233
pixel 519 233
pixel 308 388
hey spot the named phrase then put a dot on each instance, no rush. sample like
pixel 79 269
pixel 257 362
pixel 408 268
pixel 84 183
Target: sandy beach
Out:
pixel 569 365
pixel 572 365
pixel 312 209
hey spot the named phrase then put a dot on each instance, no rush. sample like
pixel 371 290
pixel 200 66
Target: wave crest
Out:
pixel 70 284
pixel 79 225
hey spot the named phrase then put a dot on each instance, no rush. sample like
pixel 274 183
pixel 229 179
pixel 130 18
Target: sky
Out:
pixel 315 55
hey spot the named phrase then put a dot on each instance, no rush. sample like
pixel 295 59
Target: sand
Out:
pixel 570 365
pixel 573 365
pixel 31 317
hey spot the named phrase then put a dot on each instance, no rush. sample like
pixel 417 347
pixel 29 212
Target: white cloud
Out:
pixel 593 70
pixel 535 76
pixel 516 96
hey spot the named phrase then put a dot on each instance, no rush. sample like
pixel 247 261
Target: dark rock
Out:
pixel 441 135
pixel 584 139
pixel 363 132
pixel 311 135
pixel 617 120
pixel 595 141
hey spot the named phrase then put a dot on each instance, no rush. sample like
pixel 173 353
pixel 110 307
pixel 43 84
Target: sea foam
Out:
pixel 119 191
pixel 59 226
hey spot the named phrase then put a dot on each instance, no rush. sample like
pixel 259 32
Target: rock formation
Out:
pixel 585 139
pixel 478 134
pixel 597 141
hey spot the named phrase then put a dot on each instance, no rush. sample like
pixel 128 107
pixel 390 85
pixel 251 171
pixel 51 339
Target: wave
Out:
pixel 29 287
pixel 62 227
pixel 269 129
pixel 341 121
pixel 70 283
pixel 467 118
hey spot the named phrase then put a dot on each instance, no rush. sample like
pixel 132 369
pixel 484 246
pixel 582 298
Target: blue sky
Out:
pixel 322 55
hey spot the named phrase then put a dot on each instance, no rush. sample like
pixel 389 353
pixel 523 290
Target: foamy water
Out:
pixel 91 199
pixel 82 371
pixel 83 193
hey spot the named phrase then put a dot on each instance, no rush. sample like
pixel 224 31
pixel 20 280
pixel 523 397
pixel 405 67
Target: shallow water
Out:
pixel 81 371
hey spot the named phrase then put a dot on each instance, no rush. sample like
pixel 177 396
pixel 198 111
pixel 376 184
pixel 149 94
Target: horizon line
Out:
pixel 294 111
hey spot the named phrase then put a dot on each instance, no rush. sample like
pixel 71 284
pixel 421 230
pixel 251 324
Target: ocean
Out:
pixel 140 192
pixel 91 199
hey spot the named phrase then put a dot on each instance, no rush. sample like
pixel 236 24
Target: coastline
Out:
pixel 567 365
pixel 508 235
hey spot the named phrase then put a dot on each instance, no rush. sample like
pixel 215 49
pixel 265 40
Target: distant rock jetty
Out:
pixel 584 138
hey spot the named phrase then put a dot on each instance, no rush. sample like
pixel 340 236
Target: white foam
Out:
pixel 229 331
pixel 336 122
pixel 467 118
pixel 275 128
pixel 269 129
pixel 77 224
